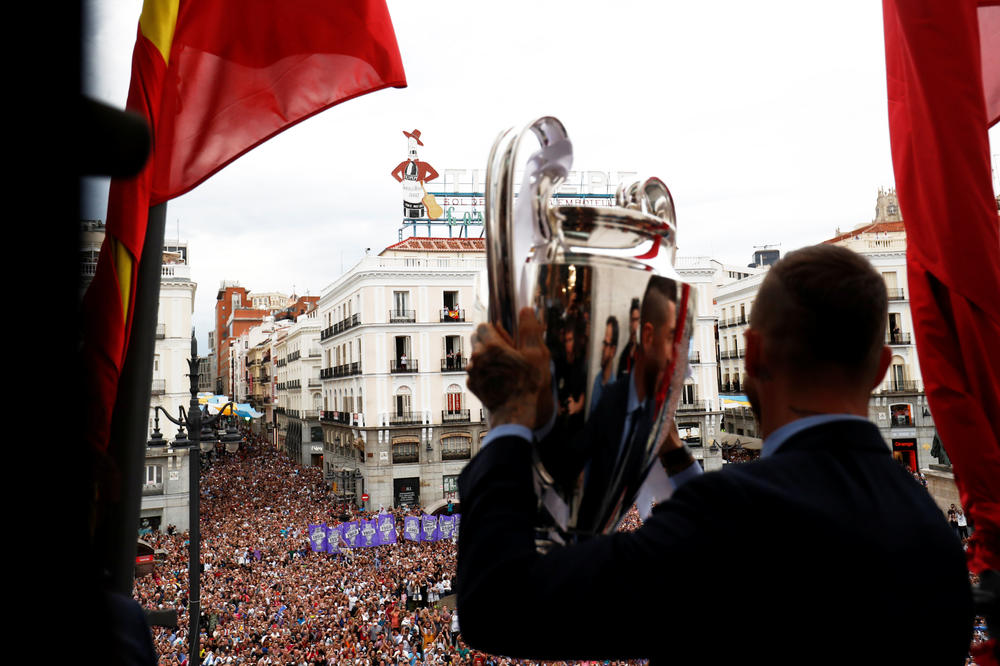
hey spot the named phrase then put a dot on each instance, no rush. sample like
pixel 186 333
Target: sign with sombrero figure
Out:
pixel 413 174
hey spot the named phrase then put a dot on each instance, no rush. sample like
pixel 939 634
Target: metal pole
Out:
pixel 194 531
pixel 130 418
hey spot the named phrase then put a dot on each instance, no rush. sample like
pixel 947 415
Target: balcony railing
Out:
pixel 410 365
pixel 280 363
pixel 281 386
pixel 896 294
pixel 694 357
pixel 161 331
pixel 294 356
pixel 279 410
pixel 347 369
pixel 902 420
pixel 326 373
pixel 402 316
pixel 693 406
pixel 310 413
pixel 159 387
pixel 405 418
pixel 901 386
pixel 456 315
pixel 732 353
pixel 455 416
pixel 294 384
pixel 294 413
pixel 899 339
pixel 340 326
pixel 314 382
pixel 454 364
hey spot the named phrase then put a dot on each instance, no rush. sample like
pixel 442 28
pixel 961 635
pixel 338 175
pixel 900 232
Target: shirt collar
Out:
pixel 787 431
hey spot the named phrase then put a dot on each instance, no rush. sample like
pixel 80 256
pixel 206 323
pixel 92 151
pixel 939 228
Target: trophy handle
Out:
pixel 650 196
pixel 502 254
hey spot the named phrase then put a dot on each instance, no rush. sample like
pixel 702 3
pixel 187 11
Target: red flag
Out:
pixel 940 150
pixel 214 79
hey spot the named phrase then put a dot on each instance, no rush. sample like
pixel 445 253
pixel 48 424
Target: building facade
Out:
pixel 398 422
pixel 299 391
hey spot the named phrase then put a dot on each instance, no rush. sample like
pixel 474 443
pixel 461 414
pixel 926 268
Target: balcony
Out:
pixel 294 356
pixel 410 365
pixel 694 357
pixel 326 332
pixel 279 410
pixel 693 406
pixel 311 414
pixel 314 382
pixel 347 369
pixel 455 416
pixel 326 373
pixel 161 331
pixel 454 364
pixel 294 384
pixel 280 363
pixel 281 386
pixel 294 413
pixel 896 294
pixel 902 420
pixel 901 386
pixel 899 339
pixel 455 315
pixel 402 316
pixel 405 418
pixel 731 354
pixel 159 387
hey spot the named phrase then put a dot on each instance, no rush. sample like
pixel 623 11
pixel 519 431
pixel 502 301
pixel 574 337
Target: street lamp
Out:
pixel 199 425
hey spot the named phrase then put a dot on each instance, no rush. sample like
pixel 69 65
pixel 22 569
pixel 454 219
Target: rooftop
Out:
pixel 439 245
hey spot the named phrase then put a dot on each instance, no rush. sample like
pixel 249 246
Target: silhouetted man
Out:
pixel 872 573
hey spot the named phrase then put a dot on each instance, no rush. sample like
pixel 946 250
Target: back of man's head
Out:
pixel 822 313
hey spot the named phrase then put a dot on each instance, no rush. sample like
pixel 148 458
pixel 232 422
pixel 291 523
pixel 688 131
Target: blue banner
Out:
pixel 369 533
pixel 386 528
pixel 333 539
pixel 351 533
pixel 429 529
pixel 446 526
pixel 411 528
pixel 317 537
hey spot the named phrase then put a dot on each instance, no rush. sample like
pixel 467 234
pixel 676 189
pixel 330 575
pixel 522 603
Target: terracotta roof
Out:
pixel 873 228
pixel 439 245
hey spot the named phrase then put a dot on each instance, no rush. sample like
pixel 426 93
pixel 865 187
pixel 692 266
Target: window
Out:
pixel 450 300
pixel 688 394
pixel 456 447
pixel 237 302
pixel 403 401
pixel 453 399
pixel 449 484
pixel 405 452
pixel 401 300
pixel 154 475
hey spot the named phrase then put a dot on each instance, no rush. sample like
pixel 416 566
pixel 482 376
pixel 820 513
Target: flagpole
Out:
pixel 130 418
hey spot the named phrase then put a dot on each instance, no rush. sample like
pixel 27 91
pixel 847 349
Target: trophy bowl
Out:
pixel 617 320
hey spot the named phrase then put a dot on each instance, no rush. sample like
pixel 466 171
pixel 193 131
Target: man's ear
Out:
pixel 645 333
pixel 884 359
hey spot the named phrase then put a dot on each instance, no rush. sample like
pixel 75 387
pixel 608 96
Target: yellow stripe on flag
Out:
pixel 157 22
pixel 123 266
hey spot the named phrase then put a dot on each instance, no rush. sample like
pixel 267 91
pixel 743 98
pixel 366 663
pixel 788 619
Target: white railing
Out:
pixel 175 271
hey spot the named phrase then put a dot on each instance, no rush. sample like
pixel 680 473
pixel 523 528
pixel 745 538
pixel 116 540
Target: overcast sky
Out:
pixel 767 121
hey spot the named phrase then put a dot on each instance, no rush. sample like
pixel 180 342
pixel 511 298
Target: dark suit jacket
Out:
pixel 826 552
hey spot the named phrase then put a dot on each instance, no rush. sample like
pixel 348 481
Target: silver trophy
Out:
pixel 617 320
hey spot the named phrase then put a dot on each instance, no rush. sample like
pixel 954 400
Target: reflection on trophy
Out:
pixel 616 317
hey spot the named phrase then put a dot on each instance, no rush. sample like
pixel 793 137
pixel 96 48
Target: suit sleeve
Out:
pixel 587 601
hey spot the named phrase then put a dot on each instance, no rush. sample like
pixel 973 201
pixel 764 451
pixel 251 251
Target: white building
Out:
pixel 298 389
pixel 398 423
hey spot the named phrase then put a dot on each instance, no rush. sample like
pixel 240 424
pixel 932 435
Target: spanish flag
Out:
pixel 943 81
pixel 214 79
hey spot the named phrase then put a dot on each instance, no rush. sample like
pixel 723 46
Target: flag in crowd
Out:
pixel 317 538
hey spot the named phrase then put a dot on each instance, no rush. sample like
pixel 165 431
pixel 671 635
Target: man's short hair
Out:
pixel 659 291
pixel 613 323
pixel 822 308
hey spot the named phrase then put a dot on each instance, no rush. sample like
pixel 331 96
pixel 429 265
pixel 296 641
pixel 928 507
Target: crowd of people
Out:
pixel 267 598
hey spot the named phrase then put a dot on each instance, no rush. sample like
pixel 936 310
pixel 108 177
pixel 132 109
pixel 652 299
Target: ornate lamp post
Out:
pixel 199 425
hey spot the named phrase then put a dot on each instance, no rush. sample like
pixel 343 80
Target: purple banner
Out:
pixel 446 526
pixel 333 539
pixel 411 528
pixel 369 533
pixel 351 533
pixel 429 529
pixel 458 519
pixel 317 537
pixel 386 528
